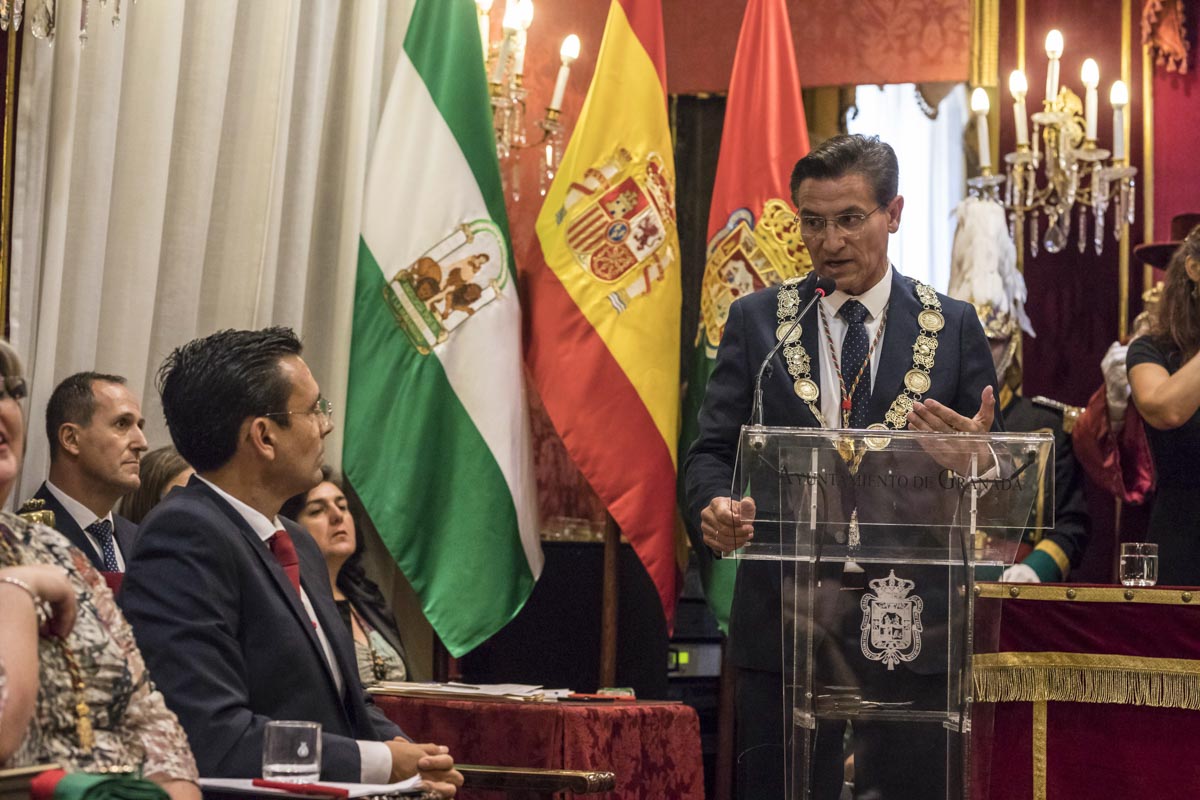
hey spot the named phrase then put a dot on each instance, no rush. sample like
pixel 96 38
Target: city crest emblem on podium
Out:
pixel 891 624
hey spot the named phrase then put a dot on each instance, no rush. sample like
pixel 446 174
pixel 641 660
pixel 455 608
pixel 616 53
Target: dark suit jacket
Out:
pixel 229 643
pixel 124 532
pixel 962 368
pixel 1072 524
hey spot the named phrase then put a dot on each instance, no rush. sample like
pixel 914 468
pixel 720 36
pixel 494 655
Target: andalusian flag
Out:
pixel 437 430
pixel 603 292
pixel 753 240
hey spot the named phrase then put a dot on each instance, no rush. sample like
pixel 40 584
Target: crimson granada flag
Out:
pixel 753 239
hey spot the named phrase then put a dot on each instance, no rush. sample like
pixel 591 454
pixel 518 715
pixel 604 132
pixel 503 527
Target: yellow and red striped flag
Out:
pixel 603 292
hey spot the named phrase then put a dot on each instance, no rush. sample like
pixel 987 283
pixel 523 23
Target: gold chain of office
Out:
pixel 916 380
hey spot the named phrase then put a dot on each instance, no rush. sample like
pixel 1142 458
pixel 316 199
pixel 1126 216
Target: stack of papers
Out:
pixel 246 786
pixel 504 692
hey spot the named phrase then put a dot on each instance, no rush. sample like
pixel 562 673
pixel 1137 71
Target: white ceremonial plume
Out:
pixel 983 268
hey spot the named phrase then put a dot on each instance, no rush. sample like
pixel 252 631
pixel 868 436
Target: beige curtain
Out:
pixel 198 167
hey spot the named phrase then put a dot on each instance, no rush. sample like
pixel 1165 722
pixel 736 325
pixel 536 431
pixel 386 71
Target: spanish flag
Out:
pixel 753 240
pixel 603 296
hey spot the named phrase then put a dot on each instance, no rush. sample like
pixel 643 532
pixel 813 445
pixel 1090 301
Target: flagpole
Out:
pixel 608 603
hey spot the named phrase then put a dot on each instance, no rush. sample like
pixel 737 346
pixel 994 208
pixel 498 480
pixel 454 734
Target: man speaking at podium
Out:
pixel 882 349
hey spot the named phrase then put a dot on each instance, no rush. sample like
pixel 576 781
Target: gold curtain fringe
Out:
pixel 1029 684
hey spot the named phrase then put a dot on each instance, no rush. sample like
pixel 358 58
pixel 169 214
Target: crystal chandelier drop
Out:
pixel 505 63
pixel 42 16
pixel 1074 173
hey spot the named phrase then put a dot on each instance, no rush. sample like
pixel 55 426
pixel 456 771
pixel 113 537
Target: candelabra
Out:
pixel 1076 173
pixel 42 15
pixel 505 63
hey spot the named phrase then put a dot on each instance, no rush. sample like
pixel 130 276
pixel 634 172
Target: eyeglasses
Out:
pixel 849 224
pixel 323 408
pixel 12 386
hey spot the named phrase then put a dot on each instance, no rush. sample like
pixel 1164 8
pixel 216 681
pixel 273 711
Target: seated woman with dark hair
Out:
pixel 324 513
pixel 95 707
pixel 161 471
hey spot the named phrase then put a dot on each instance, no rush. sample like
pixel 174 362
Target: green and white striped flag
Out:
pixel 437 429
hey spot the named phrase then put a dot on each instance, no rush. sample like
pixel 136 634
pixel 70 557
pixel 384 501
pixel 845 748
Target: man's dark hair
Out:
pixel 210 385
pixel 74 401
pixel 845 154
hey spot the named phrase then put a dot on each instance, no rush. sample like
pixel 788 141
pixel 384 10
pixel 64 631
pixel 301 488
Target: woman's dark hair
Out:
pixel 1175 322
pixel 210 385
pixel 847 154
pixel 352 579
pixel 159 467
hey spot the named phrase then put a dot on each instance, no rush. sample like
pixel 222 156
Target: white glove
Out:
pixel 1116 384
pixel 1020 573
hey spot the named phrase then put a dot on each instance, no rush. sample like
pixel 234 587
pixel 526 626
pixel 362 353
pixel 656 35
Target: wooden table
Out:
pixel 653 748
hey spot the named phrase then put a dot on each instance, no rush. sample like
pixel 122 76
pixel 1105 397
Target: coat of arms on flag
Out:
pixel 743 258
pixel 619 220
pixel 450 282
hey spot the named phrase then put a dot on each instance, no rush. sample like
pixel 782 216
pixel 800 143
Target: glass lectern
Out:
pixel 878 535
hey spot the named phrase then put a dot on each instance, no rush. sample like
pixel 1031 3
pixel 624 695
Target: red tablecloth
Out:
pixel 1086 692
pixel 652 748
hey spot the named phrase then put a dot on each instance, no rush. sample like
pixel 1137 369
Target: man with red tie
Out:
pixel 230 603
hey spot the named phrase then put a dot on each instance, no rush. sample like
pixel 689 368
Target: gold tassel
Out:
pixel 1028 684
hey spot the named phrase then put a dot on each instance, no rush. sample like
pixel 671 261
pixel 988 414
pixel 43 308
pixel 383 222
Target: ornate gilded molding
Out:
pixel 1086 594
pixel 1123 253
pixel 6 171
pixel 1147 159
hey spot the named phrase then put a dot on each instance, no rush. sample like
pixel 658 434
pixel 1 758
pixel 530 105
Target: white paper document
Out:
pixel 458 691
pixel 246 786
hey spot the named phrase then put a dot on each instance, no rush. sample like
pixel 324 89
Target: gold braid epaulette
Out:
pixel 1070 413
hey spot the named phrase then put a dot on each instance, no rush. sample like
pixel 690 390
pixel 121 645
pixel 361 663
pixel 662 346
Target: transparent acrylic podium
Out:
pixel 877 536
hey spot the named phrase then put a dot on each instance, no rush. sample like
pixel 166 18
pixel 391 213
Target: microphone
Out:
pixel 822 287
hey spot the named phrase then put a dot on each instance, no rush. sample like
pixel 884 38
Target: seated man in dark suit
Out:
pixel 94 424
pixel 231 604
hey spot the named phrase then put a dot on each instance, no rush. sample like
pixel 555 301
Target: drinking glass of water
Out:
pixel 1139 564
pixel 292 751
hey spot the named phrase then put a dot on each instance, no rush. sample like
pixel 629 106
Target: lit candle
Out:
pixel 980 105
pixel 1018 87
pixel 1090 75
pixel 1119 96
pixel 525 9
pixel 511 24
pixel 1054 50
pixel 484 8
pixel 569 52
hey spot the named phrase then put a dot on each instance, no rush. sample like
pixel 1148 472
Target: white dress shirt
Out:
pixel 375 757
pixel 84 517
pixel 876 301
